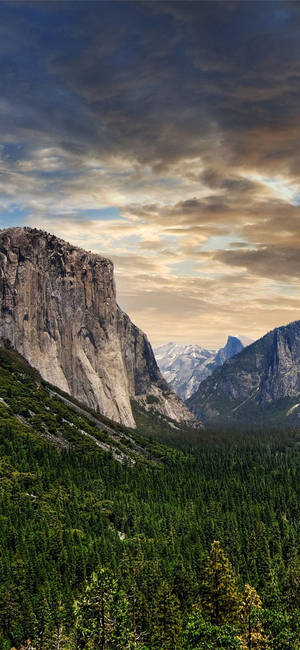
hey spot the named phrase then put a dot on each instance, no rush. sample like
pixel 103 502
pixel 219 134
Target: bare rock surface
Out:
pixel 58 309
pixel 186 366
pixel 262 374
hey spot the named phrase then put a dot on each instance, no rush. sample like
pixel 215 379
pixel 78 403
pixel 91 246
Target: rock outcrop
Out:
pixel 233 346
pixel 58 309
pixel 259 377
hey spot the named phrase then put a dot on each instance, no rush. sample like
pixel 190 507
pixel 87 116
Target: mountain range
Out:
pixel 58 310
pixel 186 366
pixel 260 385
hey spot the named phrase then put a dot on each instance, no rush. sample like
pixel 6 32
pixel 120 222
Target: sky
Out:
pixel 166 136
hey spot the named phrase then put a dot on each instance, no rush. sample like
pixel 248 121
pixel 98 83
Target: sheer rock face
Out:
pixel 261 374
pixel 145 380
pixel 233 346
pixel 58 309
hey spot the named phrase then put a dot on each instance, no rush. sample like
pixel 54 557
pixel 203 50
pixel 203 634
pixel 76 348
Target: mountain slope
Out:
pixel 186 366
pixel 58 309
pixel 262 381
pixel 30 405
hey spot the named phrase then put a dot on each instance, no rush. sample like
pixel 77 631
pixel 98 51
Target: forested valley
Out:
pixel 194 545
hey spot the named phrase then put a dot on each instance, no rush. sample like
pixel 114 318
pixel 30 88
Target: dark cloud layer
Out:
pixel 155 81
pixel 184 116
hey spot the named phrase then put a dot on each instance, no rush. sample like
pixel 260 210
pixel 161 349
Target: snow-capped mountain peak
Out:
pixel 184 366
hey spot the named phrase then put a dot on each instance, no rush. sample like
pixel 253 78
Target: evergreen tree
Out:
pixel 167 625
pixel 44 624
pixel 253 634
pixel 292 583
pixel 221 596
pixel 184 584
pixel 133 569
pixel 102 615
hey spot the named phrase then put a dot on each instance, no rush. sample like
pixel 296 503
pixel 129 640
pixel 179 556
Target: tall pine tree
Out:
pixel 221 596
pixel 167 625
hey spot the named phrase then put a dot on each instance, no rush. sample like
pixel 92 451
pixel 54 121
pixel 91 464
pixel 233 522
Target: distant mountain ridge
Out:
pixel 186 366
pixel 262 381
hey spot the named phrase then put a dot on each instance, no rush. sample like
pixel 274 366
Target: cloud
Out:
pixel 204 310
pixel 183 119
pixel 276 263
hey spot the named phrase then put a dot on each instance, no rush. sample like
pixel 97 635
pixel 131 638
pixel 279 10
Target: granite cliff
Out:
pixel 233 346
pixel 58 309
pixel 262 380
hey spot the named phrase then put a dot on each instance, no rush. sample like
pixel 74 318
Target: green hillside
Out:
pixel 108 538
